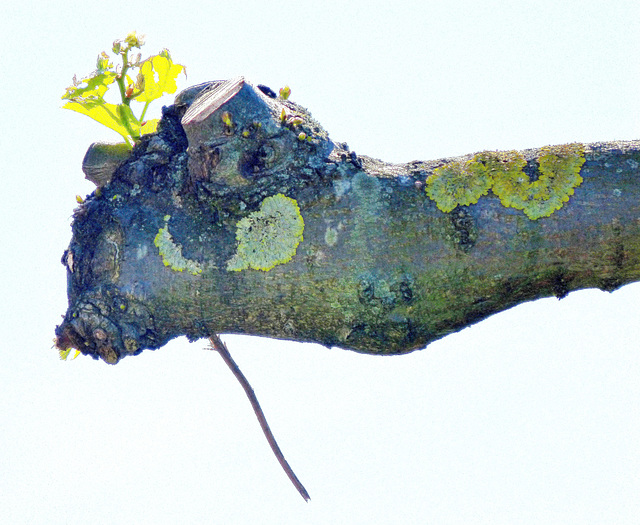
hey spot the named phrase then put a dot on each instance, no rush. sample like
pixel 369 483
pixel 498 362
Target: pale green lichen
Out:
pixel 269 236
pixel 331 236
pixel 464 183
pixel 171 253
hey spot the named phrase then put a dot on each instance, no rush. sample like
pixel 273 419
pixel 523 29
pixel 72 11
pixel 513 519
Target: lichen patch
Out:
pixel 458 183
pixel 171 252
pixel 463 183
pixel 559 168
pixel 269 236
pixel 331 236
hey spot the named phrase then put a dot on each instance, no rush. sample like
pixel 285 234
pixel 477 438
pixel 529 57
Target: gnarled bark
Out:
pixel 241 216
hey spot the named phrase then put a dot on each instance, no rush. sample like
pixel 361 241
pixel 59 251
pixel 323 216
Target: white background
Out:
pixel 529 417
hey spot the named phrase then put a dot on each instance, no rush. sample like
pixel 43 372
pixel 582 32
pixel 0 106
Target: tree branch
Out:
pixel 241 216
pixel 218 346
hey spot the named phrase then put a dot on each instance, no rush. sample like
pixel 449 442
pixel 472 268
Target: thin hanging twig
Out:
pixel 221 348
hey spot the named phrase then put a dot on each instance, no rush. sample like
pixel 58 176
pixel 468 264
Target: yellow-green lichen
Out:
pixel 269 236
pixel 559 174
pixel 331 236
pixel 171 253
pixel 509 179
pixel 463 183
pixel 458 183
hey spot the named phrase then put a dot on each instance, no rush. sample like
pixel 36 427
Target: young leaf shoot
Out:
pixel 155 76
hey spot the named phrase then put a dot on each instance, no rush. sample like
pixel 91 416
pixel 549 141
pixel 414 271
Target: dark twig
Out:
pixel 221 348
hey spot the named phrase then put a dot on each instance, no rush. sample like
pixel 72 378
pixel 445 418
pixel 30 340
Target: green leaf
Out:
pixel 96 86
pixel 149 126
pixel 159 74
pixel 65 353
pixel 103 63
pixel 101 111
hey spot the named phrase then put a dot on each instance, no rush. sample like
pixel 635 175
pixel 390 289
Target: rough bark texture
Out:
pixel 350 251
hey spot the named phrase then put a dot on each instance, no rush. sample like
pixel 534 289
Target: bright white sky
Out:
pixel 532 416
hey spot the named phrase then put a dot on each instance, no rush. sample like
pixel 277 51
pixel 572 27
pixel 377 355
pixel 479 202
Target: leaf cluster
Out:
pixel 154 77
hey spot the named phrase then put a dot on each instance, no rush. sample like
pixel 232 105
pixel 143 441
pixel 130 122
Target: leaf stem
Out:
pixel 144 110
pixel 120 78
pixel 221 348
pixel 127 115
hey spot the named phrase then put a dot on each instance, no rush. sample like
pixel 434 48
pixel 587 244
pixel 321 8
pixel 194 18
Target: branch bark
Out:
pixel 241 216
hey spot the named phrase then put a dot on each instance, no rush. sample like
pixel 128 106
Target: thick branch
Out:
pixel 172 245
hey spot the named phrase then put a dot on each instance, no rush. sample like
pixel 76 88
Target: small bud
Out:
pixel 140 82
pixel 245 133
pixel 285 92
pixel 79 199
pixel 100 334
pixel 103 62
pixel 134 40
pixel 302 136
pixel 117 45
pixel 226 118
pixel 283 116
pixel 295 120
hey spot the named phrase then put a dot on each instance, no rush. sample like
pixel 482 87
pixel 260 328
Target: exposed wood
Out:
pixel 211 101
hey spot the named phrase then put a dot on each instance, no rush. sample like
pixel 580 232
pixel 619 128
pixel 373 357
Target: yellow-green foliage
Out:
pixel 463 183
pixel 65 353
pixel 269 236
pixel 156 76
pixel 171 253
